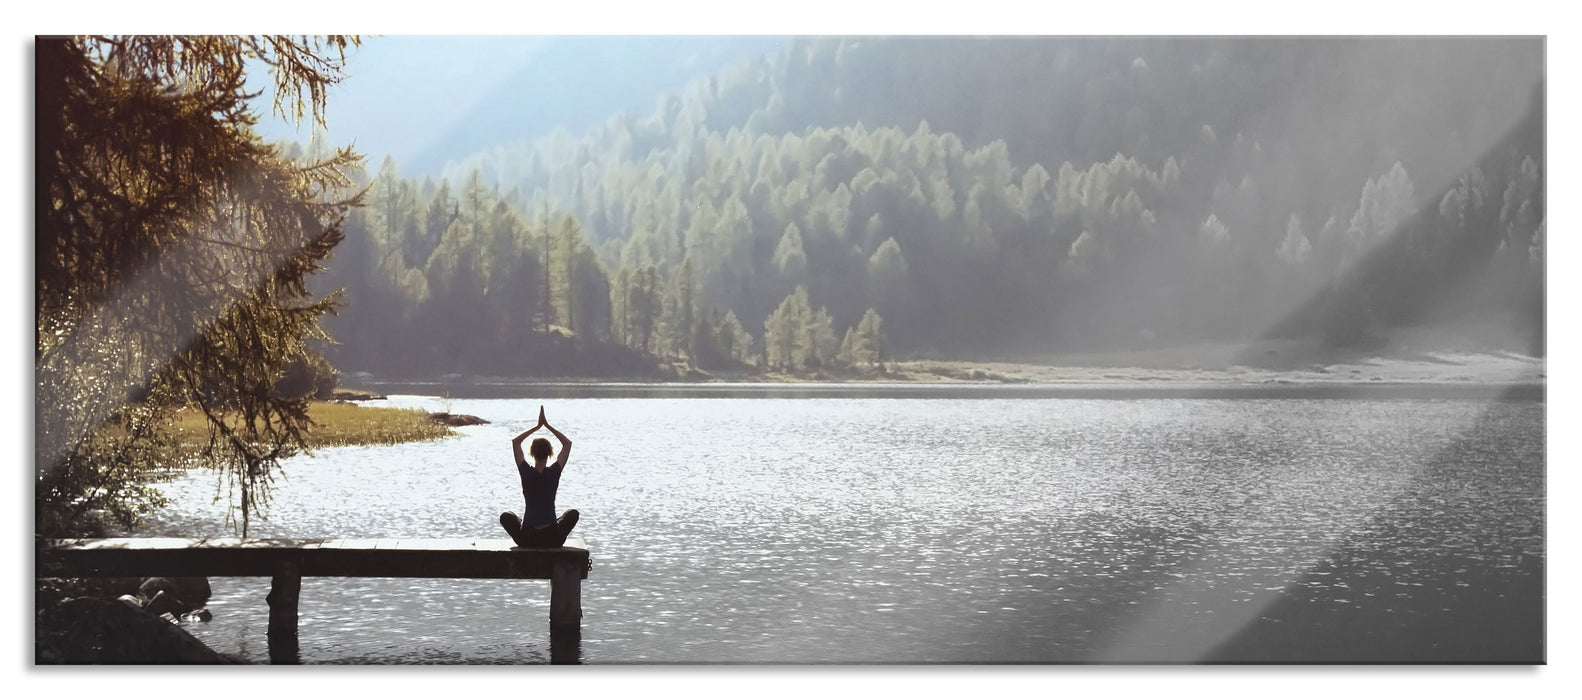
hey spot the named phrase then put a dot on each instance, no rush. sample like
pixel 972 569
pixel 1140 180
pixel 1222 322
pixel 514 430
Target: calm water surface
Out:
pixel 919 530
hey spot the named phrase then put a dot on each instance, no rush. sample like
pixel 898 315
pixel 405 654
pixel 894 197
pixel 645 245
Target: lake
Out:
pixel 969 526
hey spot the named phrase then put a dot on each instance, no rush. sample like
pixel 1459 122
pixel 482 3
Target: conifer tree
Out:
pixel 735 342
pixel 868 346
pixel 785 336
pixel 171 253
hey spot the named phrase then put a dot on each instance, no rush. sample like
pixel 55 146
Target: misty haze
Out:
pixel 1154 195
pixel 1025 349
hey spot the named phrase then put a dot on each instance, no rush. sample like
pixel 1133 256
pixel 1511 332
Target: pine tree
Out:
pixel 619 311
pixel 681 304
pixel 819 344
pixel 790 257
pixel 847 355
pixel 546 299
pixel 786 338
pixel 734 341
pixel 441 212
pixel 868 346
pixel 476 198
pixel 643 305
pixel 563 257
pixel 594 313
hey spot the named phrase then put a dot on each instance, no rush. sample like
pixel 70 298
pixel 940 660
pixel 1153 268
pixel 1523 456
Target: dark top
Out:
pixel 539 490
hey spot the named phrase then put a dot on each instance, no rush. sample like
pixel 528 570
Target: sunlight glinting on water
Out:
pixel 1169 630
pixel 909 530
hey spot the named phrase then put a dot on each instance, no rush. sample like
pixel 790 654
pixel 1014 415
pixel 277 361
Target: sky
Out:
pixel 426 99
pixel 401 93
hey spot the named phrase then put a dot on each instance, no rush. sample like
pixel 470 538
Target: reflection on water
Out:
pixel 914 530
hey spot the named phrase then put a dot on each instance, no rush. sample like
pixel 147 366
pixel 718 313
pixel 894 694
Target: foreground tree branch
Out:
pixel 171 254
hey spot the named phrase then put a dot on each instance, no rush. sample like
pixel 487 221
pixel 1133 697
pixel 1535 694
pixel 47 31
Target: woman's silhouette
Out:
pixel 538 526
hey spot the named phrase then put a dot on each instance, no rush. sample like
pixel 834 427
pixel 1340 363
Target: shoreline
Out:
pixel 1268 369
pixel 964 390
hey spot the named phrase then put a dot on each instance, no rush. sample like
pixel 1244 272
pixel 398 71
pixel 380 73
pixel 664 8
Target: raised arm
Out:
pixel 565 446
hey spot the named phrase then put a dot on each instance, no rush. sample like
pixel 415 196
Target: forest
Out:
pixel 854 200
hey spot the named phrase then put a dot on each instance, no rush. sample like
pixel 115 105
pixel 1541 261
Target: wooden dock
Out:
pixel 286 561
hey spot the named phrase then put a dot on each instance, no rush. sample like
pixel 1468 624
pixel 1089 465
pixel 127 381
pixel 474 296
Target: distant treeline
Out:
pixel 970 197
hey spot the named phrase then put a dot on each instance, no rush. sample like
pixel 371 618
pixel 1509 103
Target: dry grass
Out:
pixel 337 425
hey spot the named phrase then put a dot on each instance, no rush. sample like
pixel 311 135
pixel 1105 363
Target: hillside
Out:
pixel 973 198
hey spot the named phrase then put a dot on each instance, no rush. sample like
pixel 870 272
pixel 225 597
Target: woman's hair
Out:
pixel 540 449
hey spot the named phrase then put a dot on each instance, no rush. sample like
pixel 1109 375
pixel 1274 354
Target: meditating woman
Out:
pixel 538 526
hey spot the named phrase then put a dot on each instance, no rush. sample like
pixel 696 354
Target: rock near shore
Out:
pixel 192 592
pixel 345 396
pixel 92 630
pixel 456 420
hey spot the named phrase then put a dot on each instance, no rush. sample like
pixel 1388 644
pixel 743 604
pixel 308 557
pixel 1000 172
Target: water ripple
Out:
pixel 919 530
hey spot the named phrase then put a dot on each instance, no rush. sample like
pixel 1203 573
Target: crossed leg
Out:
pixel 546 535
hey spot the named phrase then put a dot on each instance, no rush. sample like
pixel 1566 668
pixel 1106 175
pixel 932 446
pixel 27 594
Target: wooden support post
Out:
pixel 284 592
pixel 565 645
pixel 565 594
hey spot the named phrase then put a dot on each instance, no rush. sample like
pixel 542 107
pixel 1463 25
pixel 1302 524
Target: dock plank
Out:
pixel 361 544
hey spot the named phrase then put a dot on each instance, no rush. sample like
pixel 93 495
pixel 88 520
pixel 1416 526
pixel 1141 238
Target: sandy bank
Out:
pixel 1434 368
